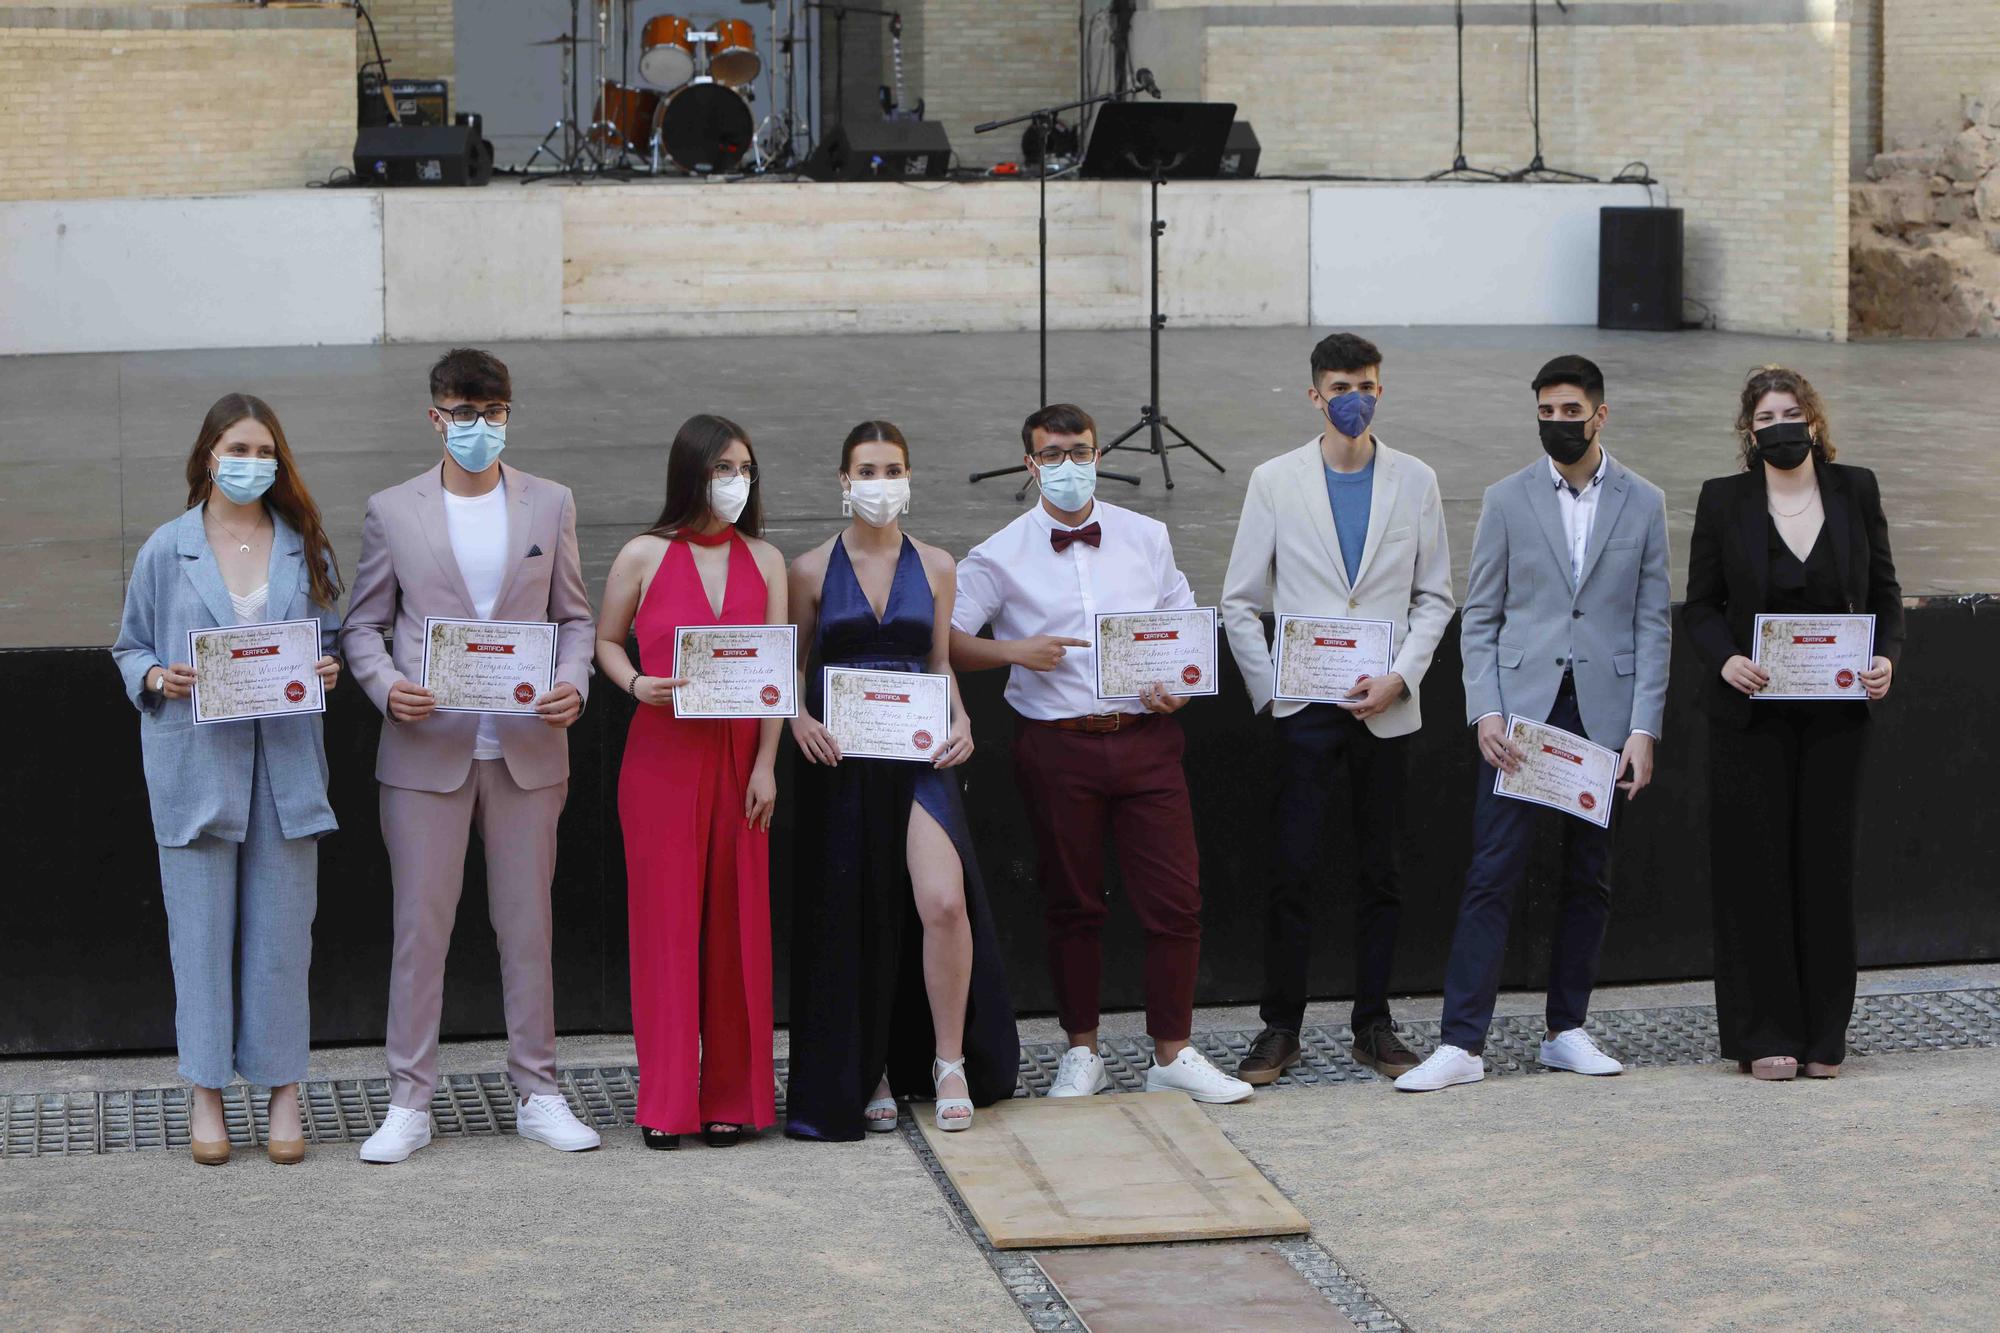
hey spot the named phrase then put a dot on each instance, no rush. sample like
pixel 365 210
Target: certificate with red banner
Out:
pixel 887 714
pixel 1135 649
pixel 1318 660
pixel 243 672
pixel 736 671
pixel 1813 657
pixel 1561 770
pixel 488 666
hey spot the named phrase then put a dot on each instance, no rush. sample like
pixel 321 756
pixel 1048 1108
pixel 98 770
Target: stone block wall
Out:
pixel 109 100
pixel 979 60
pixel 1933 53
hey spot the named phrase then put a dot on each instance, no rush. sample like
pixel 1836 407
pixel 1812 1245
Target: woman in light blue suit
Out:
pixel 237 806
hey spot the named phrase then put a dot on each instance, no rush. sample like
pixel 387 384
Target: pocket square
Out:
pixel 534 551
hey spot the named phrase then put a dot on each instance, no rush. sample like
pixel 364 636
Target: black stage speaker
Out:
pixel 1639 268
pixel 422 155
pixel 1240 152
pixel 882 150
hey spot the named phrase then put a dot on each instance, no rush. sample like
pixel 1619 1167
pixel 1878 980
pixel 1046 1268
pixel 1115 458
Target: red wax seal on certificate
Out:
pixel 1191 675
pixel 922 740
pixel 1844 678
pixel 1588 800
pixel 769 694
pixel 1361 679
pixel 524 693
pixel 295 691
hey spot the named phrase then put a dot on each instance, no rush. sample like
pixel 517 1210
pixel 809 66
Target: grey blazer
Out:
pixel 1524 619
pixel 199 777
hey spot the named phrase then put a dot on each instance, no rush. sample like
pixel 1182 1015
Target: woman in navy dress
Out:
pixel 897 983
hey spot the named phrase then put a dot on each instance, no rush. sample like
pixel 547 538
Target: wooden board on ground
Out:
pixel 1119 1169
pixel 1241 1286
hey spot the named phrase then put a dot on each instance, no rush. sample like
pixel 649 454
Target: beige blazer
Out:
pixel 1287 559
pixel 407 572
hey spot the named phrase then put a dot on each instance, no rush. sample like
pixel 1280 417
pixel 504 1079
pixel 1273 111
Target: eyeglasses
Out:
pixel 465 414
pixel 724 471
pixel 1081 453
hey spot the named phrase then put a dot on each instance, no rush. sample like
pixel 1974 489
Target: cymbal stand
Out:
pixel 570 161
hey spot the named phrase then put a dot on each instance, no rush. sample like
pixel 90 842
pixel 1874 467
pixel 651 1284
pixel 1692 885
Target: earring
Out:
pixel 846 505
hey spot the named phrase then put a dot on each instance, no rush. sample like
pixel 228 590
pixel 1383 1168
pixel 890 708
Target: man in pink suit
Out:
pixel 470 539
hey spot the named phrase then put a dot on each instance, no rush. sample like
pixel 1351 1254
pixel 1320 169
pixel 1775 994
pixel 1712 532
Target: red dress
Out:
pixel 697 880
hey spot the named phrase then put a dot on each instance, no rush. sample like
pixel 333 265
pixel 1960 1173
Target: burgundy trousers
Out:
pixel 1080 787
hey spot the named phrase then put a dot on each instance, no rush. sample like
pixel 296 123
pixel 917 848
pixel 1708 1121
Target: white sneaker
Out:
pixel 1575 1051
pixel 1191 1073
pixel 402 1132
pixel 1081 1074
pixel 1447 1065
pixel 546 1118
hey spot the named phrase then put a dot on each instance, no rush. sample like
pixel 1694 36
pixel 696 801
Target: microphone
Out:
pixel 1144 80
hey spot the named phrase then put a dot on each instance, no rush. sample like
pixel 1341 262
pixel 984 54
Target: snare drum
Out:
pixel 666 55
pixel 733 60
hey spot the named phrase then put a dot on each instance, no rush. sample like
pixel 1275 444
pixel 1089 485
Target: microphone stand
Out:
pixel 1459 168
pixel 1538 169
pixel 1044 122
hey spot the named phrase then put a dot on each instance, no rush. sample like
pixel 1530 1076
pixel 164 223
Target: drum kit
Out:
pixel 689 110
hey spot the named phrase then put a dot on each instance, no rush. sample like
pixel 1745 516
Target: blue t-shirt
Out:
pixel 1350 493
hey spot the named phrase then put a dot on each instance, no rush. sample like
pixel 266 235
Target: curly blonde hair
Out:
pixel 1779 379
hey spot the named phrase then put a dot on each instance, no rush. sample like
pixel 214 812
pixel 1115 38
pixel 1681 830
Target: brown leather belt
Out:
pixel 1096 724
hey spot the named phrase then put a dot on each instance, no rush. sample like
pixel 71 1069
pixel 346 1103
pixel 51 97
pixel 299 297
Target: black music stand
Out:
pixel 1158 141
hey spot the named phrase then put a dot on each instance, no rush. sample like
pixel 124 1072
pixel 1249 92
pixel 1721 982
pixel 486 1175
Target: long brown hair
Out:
pixel 873 432
pixel 288 496
pixel 1778 379
pixel 697 446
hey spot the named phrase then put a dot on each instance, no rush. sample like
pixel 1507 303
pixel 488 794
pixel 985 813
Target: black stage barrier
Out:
pixel 83 937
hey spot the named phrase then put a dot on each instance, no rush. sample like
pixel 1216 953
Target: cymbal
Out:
pixel 567 40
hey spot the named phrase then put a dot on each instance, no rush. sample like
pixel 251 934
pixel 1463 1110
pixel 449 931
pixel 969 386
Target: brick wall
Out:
pixel 1933 52
pixel 418 38
pixel 978 60
pixel 96 109
pixel 1747 124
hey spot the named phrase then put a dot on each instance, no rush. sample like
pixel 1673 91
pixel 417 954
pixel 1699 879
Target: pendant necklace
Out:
pixel 244 546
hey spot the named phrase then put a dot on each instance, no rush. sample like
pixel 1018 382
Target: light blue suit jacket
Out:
pixel 199 777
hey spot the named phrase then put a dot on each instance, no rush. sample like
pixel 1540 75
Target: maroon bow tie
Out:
pixel 1090 534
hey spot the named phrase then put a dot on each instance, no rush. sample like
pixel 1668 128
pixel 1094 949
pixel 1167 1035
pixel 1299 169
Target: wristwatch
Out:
pixel 153 687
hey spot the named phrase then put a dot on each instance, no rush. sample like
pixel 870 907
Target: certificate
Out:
pixel 887 714
pixel 249 671
pixel 1562 771
pixel 736 671
pixel 1813 657
pixel 488 666
pixel 1319 661
pixel 1135 649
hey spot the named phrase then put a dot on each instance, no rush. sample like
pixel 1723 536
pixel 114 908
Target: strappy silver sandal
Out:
pixel 880 1124
pixel 940 1071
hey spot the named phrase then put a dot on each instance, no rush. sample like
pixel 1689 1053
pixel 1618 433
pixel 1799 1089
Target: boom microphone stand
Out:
pixel 1459 170
pixel 1538 169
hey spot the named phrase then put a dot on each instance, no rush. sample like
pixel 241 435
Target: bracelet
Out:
pixel 632 685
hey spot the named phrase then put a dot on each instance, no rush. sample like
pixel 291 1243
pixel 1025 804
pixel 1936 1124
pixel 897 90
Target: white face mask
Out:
pixel 877 501
pixel 727 496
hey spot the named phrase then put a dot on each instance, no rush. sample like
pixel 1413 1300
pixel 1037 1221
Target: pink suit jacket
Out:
pixel 408 572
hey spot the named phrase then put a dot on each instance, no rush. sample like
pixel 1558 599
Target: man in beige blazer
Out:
pixel 472 539
pixel 1342 527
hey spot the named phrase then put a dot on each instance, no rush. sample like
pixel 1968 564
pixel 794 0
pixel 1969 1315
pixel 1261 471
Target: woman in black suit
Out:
pixel 1793 533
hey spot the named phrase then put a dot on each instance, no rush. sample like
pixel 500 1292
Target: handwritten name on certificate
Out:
pixel 488 666
pixel 1135 649
pixel 1813 657
pixel 1562 771
pixel 1319 661
pixel 736 671
pixel 250 671
pixel 887 714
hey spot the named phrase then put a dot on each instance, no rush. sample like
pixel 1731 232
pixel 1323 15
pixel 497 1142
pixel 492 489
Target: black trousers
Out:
pixel 1317 745
pixel 1783 801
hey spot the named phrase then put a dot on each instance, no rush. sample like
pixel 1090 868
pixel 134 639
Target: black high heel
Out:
pixel 659 1138
pixel 720 1135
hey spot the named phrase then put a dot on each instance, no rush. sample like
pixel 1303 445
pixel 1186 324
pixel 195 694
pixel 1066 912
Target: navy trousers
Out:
pixel 1503 832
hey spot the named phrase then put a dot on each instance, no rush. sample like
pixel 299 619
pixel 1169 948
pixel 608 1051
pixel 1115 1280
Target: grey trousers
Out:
pixel 426 833
pixel 239 929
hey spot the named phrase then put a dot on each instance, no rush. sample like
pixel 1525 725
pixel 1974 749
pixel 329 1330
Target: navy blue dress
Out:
pixel 858 1003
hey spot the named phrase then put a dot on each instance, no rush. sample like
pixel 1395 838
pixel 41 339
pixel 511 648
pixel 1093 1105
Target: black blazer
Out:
pixel 1729 565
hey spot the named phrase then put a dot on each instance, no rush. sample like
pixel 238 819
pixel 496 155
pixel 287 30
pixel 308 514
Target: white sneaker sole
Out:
pixel 1103 1082
pixel 381 1158
pixel 548 1140
pixel 1212 1098
pixel 1440 1087
pixel 1613 1072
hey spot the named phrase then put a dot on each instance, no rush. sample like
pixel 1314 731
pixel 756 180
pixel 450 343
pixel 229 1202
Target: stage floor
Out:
pixel 92 446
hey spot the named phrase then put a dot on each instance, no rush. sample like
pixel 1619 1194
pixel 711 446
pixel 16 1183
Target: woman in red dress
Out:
pixel 695 797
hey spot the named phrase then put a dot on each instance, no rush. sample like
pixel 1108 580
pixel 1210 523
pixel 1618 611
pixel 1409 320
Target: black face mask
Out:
pixel 1784 445
pixel 1564 441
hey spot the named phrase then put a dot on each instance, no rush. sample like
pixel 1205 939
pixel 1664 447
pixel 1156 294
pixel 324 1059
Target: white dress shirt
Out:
pixel 1579 511
pixel 478 528
pixel 1019 584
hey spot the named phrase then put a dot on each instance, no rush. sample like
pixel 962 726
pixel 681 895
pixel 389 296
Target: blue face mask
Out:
pixel 244 480
pixel 1351 412
pixel 474 446
pixel 1069 484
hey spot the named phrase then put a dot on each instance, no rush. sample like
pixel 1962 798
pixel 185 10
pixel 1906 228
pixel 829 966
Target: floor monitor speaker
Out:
pixel 882 150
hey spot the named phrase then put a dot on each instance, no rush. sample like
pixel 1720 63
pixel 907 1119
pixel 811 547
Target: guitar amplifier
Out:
pixel 418 101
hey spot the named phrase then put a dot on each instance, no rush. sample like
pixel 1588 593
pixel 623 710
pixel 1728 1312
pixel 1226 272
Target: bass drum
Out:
pixel 733 59
pixel 666 54
pixel 706 128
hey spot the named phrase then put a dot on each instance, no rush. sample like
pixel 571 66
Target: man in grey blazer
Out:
pixel 1341 527
pixel 1565 620
pixel 470 538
